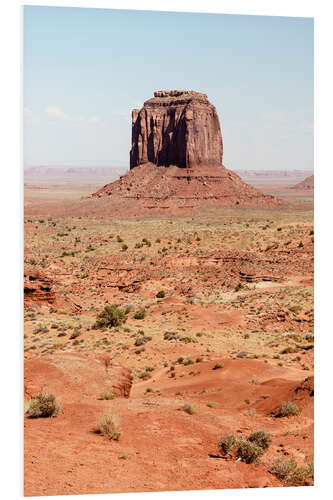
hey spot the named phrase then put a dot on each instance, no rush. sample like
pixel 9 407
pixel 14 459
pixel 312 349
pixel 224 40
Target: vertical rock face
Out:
pixel 176 127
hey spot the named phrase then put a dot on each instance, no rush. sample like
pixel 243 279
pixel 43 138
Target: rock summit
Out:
pixel 176 127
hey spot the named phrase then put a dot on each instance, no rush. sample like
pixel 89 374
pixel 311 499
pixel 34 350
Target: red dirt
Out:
pixel 182 451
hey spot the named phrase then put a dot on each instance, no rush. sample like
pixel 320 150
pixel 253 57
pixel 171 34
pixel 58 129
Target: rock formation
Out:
pixel 307 184
pixel 176 127
pixel 176 158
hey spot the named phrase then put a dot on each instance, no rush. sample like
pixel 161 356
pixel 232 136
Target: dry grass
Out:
pixel 43 405
pixel 108 426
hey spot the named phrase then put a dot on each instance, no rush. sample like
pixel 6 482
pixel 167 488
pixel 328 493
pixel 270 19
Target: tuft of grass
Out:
pixel 107 394
pixel 108 426
pixel 212 404
pixel 288 409
pixel 140 314
pixel 43 405
pixel 226 443
pixel 188 408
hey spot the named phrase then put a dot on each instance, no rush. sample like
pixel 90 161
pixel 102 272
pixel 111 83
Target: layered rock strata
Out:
pixel 176 127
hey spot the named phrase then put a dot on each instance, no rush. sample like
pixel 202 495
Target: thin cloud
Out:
pixel 55 112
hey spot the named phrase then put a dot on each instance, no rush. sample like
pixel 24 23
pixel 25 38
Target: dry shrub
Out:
pixel 226 443
pixel 107 395
pixel 288 409
pixel 188 408
pixel 108 426
pixel 261 438
pixel 43 405
pixel 248 451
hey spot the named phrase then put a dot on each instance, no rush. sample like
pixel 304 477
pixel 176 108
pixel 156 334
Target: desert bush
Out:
pixel 188 361
pixel 142 340
pixel 108 426
pixel 288 409
pixel 140 314
pixel 107 394
pixel 261 438
pixel 124 247
pixel 75 334
pixel 218 365
pixel 188 408
pixel 160 294
pixel 212 404
pixel 43 405
pixel 120 240
pixel 226 443
pixel 171 336
pixel 40 328
pixel 248 451
pixel 242 354
pixel 283 468
pixel 145 375
pixel 111 316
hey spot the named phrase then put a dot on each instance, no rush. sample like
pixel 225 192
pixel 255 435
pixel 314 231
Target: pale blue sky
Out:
pixel 85 69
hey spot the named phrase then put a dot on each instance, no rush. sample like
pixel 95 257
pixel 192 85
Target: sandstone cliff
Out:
pixel 176 127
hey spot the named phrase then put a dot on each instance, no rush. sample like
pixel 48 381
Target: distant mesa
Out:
pixel 307 184
pixel 176 155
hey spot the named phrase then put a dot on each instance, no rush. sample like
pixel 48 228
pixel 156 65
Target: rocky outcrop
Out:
pixel 38 287
pixel 176 127
pixel 176 159
pixel 307 184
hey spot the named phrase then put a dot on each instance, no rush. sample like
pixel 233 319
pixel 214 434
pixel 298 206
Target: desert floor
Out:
pixel 232 337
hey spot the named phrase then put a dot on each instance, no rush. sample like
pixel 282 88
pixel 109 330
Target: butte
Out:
pixel 176 158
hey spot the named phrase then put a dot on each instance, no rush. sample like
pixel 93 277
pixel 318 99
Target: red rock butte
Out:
pixel 176 155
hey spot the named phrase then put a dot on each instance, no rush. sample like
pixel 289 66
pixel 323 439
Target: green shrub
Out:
pixel 261 438
pixel 108 426
pixel 140 314
pixel 111 316
pixel 218 365
pixel 248 451
pixel 226 443
pixel 288 409
pixel 43 405
pixel 160 294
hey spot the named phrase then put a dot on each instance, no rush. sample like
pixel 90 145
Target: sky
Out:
pixel 86 69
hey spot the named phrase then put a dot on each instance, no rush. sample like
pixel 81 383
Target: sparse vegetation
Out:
pixel 188 408
pixel 43 405
pixel 261 438
pixel 248 451
pixel 111 316
pixel 140 314
pixel 288 409
pixel 226 443
pixel 108 426
pixel 107 394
